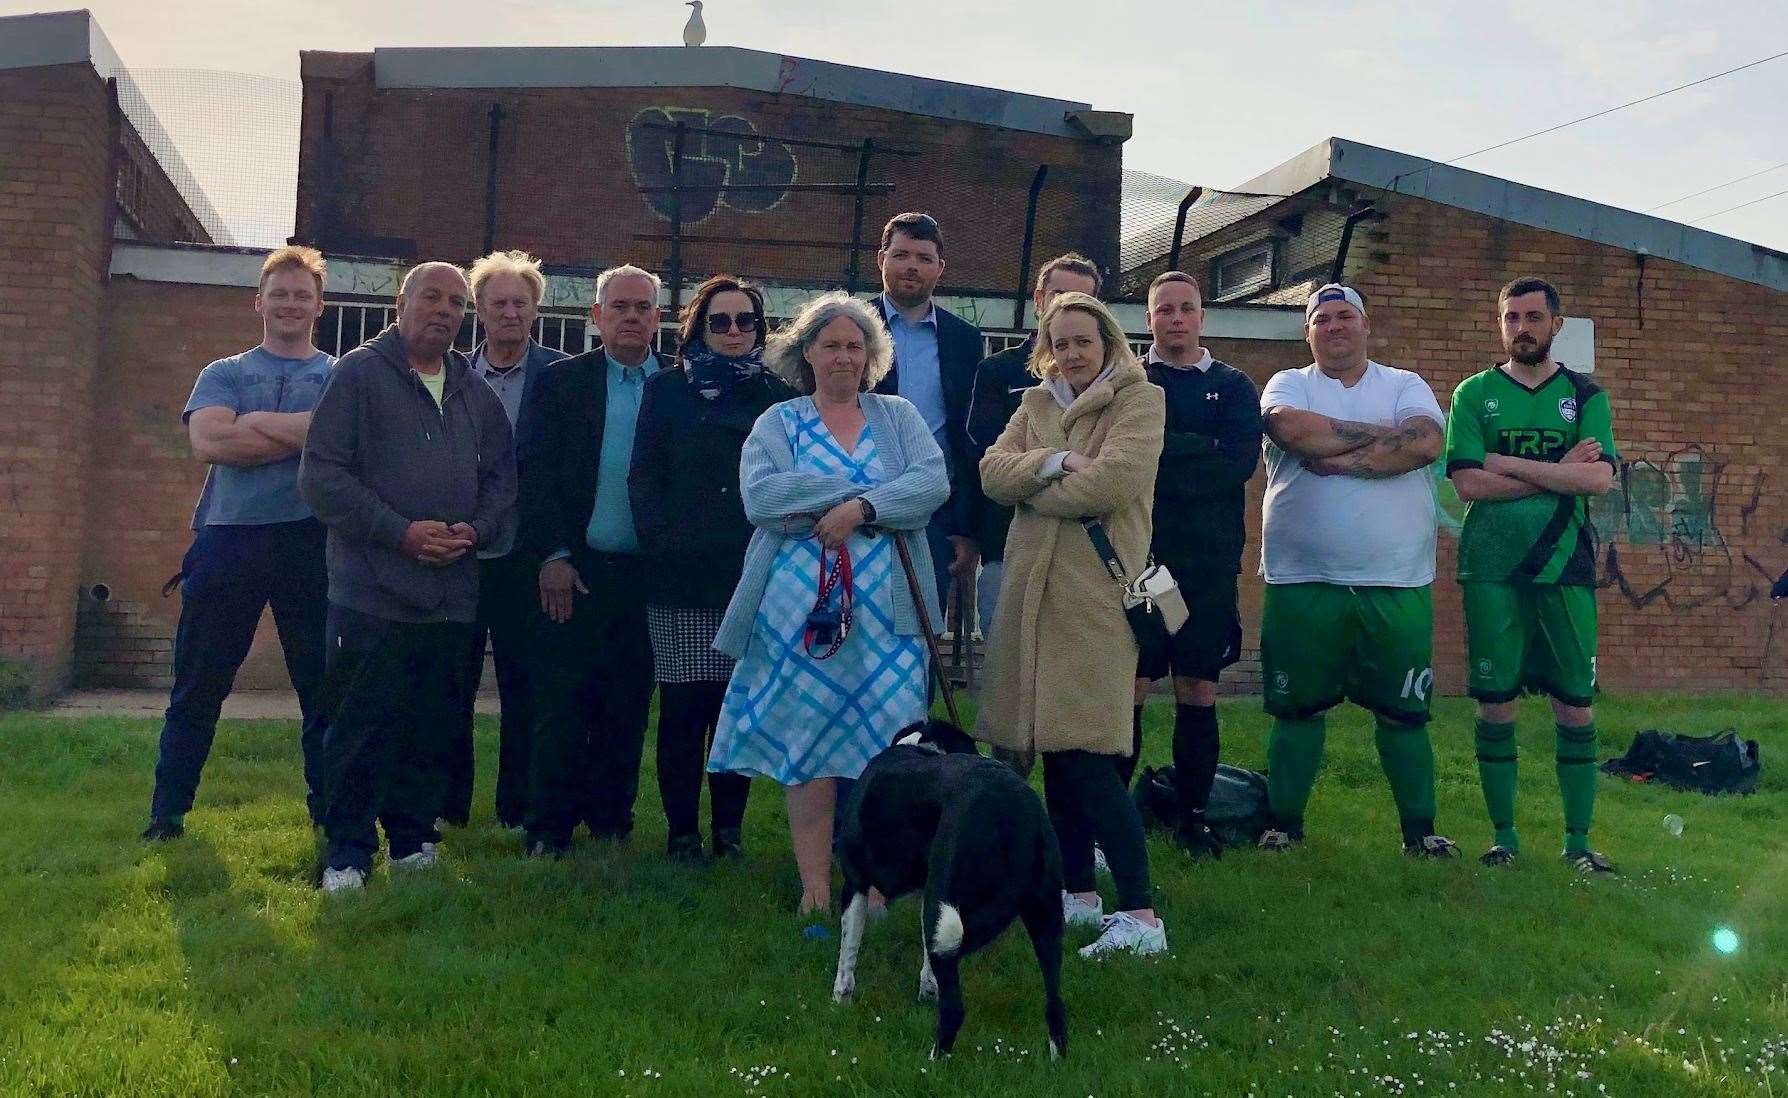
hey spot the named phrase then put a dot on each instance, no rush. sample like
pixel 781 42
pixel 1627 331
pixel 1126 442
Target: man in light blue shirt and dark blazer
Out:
pixel 506 290
pixel 593 672
pixel 936 353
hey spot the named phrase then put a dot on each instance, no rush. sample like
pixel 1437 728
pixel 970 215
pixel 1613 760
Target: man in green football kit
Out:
pixel 1347 552
pixel 1528 442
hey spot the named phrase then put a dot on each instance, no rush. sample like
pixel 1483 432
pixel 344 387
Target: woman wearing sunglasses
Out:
pixel 684 487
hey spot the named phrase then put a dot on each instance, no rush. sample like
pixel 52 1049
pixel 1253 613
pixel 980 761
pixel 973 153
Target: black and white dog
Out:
pixel 931 813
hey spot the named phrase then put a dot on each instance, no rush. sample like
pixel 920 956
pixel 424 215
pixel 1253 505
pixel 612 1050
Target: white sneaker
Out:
pixel 1124 931
pixel 426 858
pixel 1099 863
pixel 343 880
pixel 1077 912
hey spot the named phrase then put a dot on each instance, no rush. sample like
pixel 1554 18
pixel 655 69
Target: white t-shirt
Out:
pixel 1348 530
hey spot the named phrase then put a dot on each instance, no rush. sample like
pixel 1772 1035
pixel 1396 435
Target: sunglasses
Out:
pixel 721 323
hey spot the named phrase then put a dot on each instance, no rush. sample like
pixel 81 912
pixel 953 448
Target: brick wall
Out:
pixel 54 190
pixel 412 164
pixel 1697 528
pixel 154 340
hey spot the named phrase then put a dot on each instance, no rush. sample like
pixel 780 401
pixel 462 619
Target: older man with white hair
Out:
pixel 506 290
pixel 593 678
pixel 410 465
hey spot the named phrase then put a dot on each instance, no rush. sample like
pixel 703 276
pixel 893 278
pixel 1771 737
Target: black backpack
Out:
pixel 1237 812
pixel 1721 763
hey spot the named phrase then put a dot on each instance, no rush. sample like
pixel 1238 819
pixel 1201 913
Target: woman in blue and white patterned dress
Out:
pixel 839 468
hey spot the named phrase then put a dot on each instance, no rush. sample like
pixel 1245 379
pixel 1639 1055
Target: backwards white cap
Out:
pixel 1334 291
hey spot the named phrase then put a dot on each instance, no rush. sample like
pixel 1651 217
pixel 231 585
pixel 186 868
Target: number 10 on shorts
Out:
pixel 1417 682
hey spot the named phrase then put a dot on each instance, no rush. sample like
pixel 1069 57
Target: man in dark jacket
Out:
pixel 1210 451
pixel 935 355
pixel 506 291
pixel 1000 382
pixel 593 678
pixel 410 464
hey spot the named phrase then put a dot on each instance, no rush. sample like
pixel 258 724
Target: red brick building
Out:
pixel 570 153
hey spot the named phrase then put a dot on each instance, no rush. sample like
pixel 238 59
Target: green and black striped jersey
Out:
pixel 1546 537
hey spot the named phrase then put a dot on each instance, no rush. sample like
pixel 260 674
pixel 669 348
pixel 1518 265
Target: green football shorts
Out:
pixel 1321 643
pixel 1537 637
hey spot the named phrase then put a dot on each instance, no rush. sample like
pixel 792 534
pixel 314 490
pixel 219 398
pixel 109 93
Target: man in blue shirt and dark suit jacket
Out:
pixel 935 356
pixel 506 291
pixel 593 677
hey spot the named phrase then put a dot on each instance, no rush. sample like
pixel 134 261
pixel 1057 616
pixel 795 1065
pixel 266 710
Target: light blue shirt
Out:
pixel 920 376
pixel 256 381
pixel 611 520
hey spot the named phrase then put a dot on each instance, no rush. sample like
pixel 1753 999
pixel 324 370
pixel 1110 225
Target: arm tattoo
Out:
pixel 1359 462
pixel 1349 431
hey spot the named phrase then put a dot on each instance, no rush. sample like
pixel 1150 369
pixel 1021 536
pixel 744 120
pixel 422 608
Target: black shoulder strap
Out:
pixel 1102 545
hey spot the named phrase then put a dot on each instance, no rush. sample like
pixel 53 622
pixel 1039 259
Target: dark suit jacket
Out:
pixel 1000 383
pixel 959 350
pixel 558 449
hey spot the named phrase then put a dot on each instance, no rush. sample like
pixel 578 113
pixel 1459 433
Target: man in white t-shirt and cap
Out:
pixel 1347 551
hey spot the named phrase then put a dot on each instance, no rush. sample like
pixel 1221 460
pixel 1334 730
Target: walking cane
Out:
pixel 937 665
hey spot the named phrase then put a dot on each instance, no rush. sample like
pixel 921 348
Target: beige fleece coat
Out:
pixel 1063 660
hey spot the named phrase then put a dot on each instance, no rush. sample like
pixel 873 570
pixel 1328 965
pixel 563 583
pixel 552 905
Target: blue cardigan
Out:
pixel 783 503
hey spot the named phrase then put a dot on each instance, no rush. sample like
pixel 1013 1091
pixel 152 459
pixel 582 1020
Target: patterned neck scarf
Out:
pixel 715 375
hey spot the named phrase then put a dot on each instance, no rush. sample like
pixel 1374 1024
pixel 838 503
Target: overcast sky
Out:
pixel 1220 91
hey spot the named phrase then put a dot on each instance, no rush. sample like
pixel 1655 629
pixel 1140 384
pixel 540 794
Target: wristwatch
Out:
pixel 868 511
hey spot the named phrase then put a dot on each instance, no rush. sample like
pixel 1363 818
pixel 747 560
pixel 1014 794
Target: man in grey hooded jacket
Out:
pixel 411 466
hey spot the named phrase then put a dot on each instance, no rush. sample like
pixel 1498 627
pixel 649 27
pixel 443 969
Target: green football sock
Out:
pixel 1407 755
pixel 1496 772
pixel 1294 755
pixel 1577 783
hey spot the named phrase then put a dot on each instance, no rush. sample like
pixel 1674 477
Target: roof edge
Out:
pixel 720 67
pixel 1400 173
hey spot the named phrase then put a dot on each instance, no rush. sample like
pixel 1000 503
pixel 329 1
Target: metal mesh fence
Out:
pixel 227 143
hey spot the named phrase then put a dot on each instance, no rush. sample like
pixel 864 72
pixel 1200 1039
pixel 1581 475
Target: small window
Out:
pixel 1243 272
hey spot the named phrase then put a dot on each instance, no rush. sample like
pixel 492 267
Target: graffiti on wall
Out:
pixel 1673 530
pixel 733 167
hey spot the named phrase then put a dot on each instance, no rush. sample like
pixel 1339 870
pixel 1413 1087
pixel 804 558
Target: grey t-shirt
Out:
pixel 256 381
pixel 507 383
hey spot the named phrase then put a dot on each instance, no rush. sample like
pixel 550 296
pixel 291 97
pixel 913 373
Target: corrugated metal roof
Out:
pixel 1151 207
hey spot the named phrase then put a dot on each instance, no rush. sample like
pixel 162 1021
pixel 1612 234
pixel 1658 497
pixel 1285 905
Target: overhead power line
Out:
pixel 1621 107
pixel 1717 187
pixel 1731 209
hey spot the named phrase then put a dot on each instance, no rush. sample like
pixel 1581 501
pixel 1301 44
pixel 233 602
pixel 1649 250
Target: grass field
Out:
pixel 208 965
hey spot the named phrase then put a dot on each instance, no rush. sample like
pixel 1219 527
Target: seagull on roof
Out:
pixel 695 32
